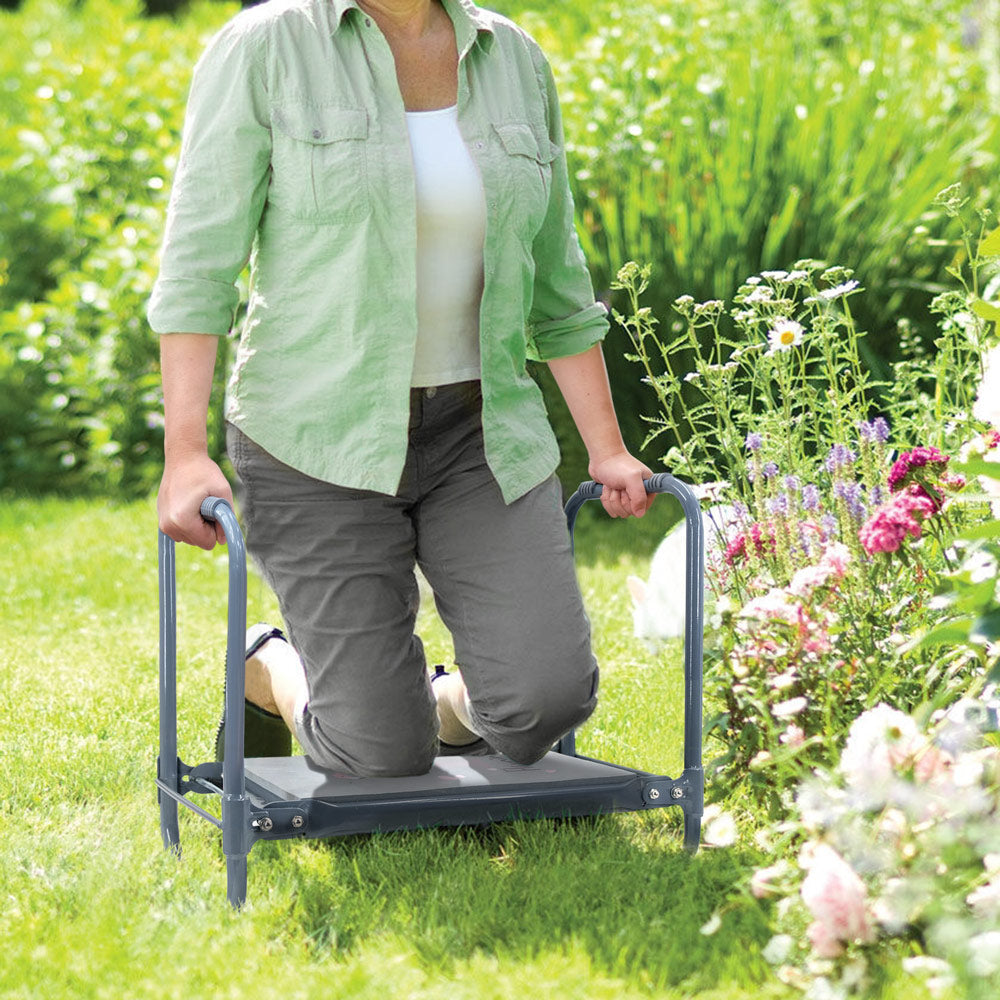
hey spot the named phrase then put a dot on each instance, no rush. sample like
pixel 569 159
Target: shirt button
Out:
pixel 480 144
pixel 316 133
pixel 431 391
pixel 368 22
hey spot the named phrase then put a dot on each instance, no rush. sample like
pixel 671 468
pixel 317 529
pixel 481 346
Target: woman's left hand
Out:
pixel 624 494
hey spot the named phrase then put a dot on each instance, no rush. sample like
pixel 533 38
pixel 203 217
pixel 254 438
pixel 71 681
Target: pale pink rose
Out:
pixel 806 580
pixel 793 736
pixel 879 740
pixel 835 558
pixel 774 604
pixel 836 897
pixel 824 942
pixel 793 706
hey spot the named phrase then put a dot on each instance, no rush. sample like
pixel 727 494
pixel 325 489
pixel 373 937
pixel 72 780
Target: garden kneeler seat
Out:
pixel 275 798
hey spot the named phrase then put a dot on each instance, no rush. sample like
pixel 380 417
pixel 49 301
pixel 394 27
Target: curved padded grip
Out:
pixel 656 483
pixel 208 506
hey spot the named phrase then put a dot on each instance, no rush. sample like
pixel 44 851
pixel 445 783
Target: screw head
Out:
pixel 654 793
pixel 298 822
pixel 676 792
pixel 266 824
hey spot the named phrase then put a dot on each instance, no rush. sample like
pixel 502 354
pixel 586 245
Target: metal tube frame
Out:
pixel 692 781
pixel 243 822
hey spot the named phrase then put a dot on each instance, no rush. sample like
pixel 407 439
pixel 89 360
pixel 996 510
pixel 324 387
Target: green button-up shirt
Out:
pixel 295 155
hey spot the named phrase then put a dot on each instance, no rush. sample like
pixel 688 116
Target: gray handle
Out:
pixel 694 596
pixel 235 804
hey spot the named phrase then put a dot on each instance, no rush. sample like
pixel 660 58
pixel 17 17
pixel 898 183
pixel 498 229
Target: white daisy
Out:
pixel 838 290
pixel 785 333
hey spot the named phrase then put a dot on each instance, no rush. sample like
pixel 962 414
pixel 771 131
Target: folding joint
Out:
pixel 279 821
pixel 687 791
pixel 665 791
pixel 192 778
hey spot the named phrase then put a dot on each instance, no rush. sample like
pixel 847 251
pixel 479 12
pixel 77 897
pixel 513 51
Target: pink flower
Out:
pixel 885 530
pixel 793 706
pixel 836 898
pixel 761 536
pixel 836 557
pixel 793 736
pixel 775 604
pixel 806 580
pixel 824 942
pixel 762 882
pixel 902 472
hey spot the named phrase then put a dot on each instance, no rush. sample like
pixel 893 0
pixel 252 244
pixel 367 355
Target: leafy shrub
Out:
pixel 710 140
pixel 89 120
pixel 718 140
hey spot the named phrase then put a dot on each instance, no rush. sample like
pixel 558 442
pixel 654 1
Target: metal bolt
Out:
pixel 676 793
pixel 265 823
pixel 654 793
pixel 298 822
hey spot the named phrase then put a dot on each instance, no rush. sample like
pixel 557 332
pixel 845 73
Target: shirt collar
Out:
pixel 471 23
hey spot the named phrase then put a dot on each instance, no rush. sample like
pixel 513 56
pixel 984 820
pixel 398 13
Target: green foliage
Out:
pixel 718 140
pixel 89 121
pixel 711 140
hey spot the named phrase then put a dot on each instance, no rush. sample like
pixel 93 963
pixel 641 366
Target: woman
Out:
pixel 394 171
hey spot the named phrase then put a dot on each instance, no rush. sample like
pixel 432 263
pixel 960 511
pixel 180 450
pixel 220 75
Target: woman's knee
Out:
pixel 541 711
pixel 390 752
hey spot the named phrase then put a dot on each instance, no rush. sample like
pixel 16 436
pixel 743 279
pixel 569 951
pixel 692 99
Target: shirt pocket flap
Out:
pixel 520 139
pixel 318 125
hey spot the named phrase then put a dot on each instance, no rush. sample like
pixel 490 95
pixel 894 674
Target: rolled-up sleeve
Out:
pixel 219 188
pixel 564 318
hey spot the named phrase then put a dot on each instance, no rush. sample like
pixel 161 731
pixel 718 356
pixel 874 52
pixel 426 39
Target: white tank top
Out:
pixel 451 226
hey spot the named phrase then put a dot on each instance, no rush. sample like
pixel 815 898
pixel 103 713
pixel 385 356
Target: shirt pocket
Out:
pixel 527 164
pixel 320 162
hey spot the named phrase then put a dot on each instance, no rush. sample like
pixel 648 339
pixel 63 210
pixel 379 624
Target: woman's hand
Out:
pixel 186 482
pixel 624 494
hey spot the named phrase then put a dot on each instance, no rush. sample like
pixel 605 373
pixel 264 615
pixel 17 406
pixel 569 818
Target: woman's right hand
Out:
pixel 187 481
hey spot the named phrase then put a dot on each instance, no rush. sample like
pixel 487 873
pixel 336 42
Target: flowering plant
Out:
pixel 834 546
pixel 901 840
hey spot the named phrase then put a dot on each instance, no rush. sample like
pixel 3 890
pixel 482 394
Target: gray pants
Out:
pixel 341 563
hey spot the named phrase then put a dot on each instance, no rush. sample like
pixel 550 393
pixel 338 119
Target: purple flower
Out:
pixel 839 457
pixel 850 492
pixel 810 497
pixel 875 432
pixel 876 495
pixel 770 470
pixel 792 484
pixel 829 525
pixel 754 441
pixel 741 510
pixel 778 504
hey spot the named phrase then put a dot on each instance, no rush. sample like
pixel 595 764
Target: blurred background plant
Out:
pixel 712 141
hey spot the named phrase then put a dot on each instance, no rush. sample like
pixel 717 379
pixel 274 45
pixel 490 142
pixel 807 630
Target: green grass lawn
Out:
pixel 92 906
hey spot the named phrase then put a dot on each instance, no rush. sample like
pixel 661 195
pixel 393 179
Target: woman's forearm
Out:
pixel 583 381
pixel 187 364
